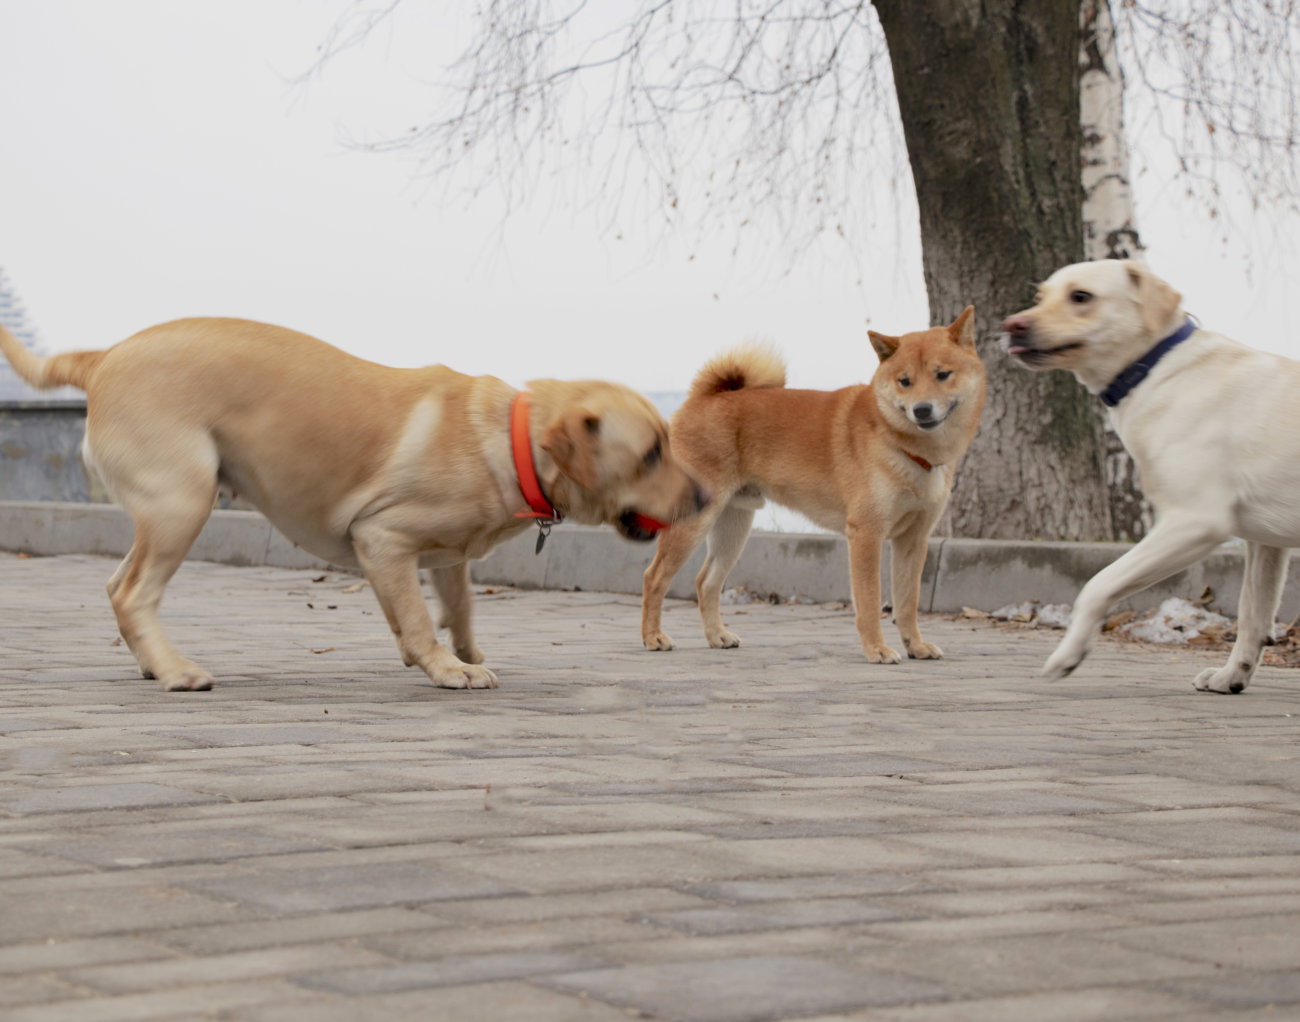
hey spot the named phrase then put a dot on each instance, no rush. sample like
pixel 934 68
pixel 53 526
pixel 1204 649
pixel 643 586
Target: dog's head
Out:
pixel 929 378
pixel 1094 319
pixel 616 467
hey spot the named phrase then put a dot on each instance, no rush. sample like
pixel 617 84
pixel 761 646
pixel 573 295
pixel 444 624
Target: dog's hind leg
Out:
pixel 166 525
pixel 1176 540
pixel 726 540
pixel 1261 591
pixel 675 546
pixel 451 583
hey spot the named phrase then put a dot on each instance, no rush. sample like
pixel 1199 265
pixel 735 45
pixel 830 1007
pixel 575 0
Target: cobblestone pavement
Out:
pixel 775 832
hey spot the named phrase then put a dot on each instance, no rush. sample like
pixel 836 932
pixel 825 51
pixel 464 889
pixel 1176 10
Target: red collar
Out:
pixel 529 485
pixel 919 460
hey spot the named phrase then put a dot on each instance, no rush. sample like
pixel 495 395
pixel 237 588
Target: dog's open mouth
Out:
pixel 1040 356
pixel 635 525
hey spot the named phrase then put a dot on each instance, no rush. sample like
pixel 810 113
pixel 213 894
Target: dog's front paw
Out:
pixel 919 649
pixel 658 641
pixel 879 653
pixel 723 639
pixel 1063 661
pixel 184 677
pixel 464 676
pixel 471 654
pixel 1227 680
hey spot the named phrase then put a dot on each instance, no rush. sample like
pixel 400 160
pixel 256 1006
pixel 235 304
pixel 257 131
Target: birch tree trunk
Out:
pixel 989 98
pixel 1109 220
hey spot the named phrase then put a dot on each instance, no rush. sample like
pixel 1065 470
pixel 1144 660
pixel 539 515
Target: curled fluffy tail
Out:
pixel 749 365
pixel 74 368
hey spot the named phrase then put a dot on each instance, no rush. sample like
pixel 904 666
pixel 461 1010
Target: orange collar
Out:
pixel 529 485
pixel 919 460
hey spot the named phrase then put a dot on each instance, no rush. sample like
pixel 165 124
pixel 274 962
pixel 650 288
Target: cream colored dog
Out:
pixel 389 470
pixel 1211 424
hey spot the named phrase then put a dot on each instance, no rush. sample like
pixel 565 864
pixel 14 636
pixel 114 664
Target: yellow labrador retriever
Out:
pixel 1211 424
pixel 389 470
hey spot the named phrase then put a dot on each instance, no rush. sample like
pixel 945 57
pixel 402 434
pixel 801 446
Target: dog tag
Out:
pixel 542 532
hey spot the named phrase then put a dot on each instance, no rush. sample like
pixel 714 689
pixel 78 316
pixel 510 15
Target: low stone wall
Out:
pixel 986 574
pixel 40 453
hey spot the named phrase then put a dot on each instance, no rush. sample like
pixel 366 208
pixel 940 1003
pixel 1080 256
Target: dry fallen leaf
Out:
pixel 355 588
pixel 327 649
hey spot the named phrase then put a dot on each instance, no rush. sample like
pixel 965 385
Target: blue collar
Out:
pixel 1137 372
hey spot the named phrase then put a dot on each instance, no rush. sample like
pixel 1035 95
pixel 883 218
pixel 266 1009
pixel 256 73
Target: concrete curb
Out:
pixel 986 574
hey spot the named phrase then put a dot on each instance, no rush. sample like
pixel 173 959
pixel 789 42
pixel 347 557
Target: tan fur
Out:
pixel 1212 429
pixel 746 367
pixel 836 456
pixel 389 470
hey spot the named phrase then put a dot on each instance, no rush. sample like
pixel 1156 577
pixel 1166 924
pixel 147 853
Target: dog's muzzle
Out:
pixel 642 528
pixel 1019 331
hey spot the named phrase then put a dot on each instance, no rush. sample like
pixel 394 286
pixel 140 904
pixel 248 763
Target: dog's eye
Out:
pixel 653 455
pixel 943 374
pixel 1080 297
pixel 904 381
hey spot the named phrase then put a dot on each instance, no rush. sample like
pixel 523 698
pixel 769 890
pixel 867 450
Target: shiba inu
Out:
pixel 389 470
pixel 873 461
pixel 1211 424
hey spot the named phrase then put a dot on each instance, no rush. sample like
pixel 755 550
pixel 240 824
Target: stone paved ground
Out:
pixel 775 832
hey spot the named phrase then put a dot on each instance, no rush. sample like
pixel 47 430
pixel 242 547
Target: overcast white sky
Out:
pixel 158 163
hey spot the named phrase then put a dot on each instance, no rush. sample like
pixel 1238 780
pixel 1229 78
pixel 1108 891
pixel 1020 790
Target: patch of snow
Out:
pixel 1176 621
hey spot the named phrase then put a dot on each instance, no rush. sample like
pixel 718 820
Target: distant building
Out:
pixel 12 389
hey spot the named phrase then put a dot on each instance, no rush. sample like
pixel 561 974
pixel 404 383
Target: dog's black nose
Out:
pixel 924 412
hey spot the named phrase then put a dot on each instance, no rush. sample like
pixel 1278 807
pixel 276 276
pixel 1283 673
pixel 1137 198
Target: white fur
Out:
pixel 1214 430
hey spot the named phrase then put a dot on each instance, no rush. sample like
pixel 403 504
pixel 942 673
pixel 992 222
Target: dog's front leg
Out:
pixel 451 583
pixel 1261 590
pixel 1174 542
pixel 907 566
pixel 865 541
pixel 393 569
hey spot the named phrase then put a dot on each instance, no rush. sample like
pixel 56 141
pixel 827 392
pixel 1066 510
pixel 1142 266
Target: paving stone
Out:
pixel 334 925
pixel 502 1001
pixel 450 970
pixel 78 912
pixel 322 888
pixel 1096 1004
pixel 96 796
pixel 744 989
pixel 775 832
pixel 219 999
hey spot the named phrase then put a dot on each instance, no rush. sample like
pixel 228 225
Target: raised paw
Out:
pixel 657 641
pixel 723 639
pixel 919 649
pixel 1227 680
pixel 1068 655
pixel 879 653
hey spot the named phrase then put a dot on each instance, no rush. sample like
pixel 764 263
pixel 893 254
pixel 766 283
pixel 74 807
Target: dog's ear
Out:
pixel 1157 300
pixel 884 344
pixel 962 330
pixel 571 443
